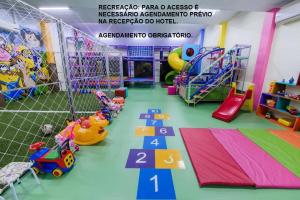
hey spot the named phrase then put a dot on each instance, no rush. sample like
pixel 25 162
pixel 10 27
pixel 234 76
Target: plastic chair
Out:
pixel 16 178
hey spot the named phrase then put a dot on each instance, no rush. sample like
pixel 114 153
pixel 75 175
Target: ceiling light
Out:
pixel 55 8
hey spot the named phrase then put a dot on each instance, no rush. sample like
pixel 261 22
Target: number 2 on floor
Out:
pixel 141 156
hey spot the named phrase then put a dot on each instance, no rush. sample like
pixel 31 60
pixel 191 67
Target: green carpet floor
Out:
pixel 100 171
pixel 25 127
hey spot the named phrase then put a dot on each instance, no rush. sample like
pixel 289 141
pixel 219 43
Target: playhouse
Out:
pixel 124 100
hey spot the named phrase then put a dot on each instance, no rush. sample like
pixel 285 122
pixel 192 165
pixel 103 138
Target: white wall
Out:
pixel 196 40
pixel 211 37
pixel 284 60
pixel 245 28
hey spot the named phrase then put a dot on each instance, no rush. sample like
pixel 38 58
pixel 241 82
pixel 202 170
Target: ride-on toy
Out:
pixel 57 160
pixel 88 132
pixel 98 120
pixel 115 108
pixel 106 113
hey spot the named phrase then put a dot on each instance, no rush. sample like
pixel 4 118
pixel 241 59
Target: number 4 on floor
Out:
pixel 155 142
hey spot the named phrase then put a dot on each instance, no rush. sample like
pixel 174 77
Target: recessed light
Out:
pixel 55 8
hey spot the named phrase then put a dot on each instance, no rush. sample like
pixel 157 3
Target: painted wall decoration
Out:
pixel 23 65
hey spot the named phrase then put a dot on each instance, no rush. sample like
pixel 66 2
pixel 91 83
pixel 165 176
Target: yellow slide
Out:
pixel 175 61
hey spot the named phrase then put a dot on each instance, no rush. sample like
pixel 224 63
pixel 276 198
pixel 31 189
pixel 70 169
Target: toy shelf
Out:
pixel 277 95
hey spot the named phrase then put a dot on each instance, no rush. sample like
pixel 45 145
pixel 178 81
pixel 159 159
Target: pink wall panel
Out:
pixel 264 53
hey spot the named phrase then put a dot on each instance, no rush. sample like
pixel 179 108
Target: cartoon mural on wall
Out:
pixel 23 64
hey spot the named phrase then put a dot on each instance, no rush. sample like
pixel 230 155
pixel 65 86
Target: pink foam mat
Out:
pixel 264 170
pixel 212 164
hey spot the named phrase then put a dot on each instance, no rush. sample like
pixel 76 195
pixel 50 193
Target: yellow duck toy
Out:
pixel 87 133
pixel 98 120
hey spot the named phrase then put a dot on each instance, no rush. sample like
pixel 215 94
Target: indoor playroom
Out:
pixel 144 100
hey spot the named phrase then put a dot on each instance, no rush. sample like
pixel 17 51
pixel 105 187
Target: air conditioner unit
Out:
pixel 289 13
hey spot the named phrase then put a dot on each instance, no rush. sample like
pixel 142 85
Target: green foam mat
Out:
pixel 282 151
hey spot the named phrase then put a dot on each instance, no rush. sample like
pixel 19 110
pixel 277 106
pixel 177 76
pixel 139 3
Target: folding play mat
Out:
pixel 245 157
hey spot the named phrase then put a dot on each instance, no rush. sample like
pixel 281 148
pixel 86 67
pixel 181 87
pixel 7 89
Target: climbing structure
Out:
pixel 218 70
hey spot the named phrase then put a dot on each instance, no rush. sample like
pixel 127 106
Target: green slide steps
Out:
pixel 279 149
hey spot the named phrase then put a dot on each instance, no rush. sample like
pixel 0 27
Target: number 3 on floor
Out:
pixel 170 160
pixel 155 179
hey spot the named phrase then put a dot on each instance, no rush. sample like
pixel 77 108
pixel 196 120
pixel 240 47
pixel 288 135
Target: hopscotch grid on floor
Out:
pixel 155 161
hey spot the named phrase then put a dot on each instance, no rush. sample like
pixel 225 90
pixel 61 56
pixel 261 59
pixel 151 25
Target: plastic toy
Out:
pixel 100 115
pixel 85 123
pixel 88 133
pixel 281 93
pixel 67 134
pixel 36 146
pixel 294 96
pixel 119 100
pixel 292 110
pixel 268 115
pixel 98 120
pixel 271 103
pixel 107 102
pixel 106 113
pixel 57 160
pixel 285 122
pixel 272 87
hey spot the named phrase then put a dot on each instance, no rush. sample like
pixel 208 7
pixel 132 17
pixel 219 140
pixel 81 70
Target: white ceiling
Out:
pixel 83 15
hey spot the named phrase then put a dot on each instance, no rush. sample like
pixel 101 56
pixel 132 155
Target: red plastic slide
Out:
pixel 231 106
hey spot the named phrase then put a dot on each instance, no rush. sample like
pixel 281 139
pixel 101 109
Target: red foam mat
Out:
pixel 212 164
